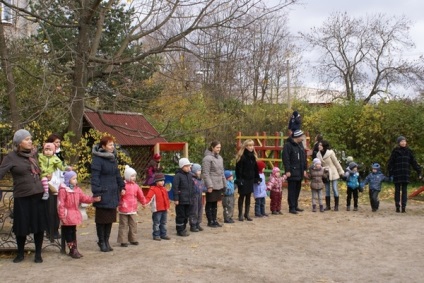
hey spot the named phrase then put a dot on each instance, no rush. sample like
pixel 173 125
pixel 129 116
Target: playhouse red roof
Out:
pixel 129 129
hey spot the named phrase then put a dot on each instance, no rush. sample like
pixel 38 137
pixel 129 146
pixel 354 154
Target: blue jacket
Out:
pixel 106 180
pixel 230 188
pixel 374 180
pixel 259 190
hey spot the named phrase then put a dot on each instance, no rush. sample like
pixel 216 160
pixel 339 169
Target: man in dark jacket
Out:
pixel 183 187
pixel 294 161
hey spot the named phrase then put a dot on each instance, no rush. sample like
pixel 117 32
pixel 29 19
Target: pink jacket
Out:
pixel 128 202
pixel 68 201
pixel 275 183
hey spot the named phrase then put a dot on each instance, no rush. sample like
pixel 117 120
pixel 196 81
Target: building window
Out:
pixel 6 12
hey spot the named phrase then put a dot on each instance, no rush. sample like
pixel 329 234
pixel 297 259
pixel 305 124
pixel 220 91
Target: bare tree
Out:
pixel 366 54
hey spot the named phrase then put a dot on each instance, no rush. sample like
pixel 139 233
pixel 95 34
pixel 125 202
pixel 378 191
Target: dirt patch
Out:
pixel 332 246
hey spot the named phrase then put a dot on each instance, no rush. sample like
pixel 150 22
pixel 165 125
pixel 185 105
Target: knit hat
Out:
pixel 228 174
pixel 129 172
pixel 297 133
pixel 195 168
pixel 295 114
pixel 183 162
pixel 49 145
pixel 352 165
pixel 261 166
pixel 275 170
pixel 400 138
pixel 316 161
pixel 375 166
pixel 68 176
pixel 349 159
pixel 159 177
pixel 20 135
pixel 157 156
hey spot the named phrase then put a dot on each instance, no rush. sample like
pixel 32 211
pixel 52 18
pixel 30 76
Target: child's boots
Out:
pixel 73 250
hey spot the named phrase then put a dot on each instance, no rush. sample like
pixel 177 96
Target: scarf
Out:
pixel 35 168
pixel 100 152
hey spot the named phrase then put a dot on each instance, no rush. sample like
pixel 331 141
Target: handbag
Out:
pixel 55 181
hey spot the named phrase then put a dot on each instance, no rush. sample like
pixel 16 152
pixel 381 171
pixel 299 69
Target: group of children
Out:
pixel 318 175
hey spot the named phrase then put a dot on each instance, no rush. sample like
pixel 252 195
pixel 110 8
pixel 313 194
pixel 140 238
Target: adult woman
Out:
pixel 53 218
pixel 246 175
pixel 214 179
pixel 106 181
pixel 400 161
pixel 29 209
pixel 329 160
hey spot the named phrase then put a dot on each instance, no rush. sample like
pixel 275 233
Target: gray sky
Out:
pixel 315 12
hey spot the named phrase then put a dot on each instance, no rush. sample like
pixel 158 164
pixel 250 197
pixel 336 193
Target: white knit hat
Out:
pixel 129 172
pixel 183 162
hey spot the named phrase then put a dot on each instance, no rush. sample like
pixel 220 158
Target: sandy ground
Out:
pixel 332 246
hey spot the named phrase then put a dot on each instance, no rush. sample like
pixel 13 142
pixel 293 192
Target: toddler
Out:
pixel 352 182
pixel 316 174
pixel 127 208
pixel 275 186
pixel 159 201
pixel 196 200
pixel 49 162
pixel 259 191
pixel 69 198
pixel 374 179
pixel 228 199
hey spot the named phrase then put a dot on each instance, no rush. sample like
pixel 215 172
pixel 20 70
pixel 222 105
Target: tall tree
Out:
pixel 366 54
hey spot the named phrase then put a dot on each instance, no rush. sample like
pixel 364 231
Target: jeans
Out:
pixel 159 223
pixel 335 188
pixel 316 195
pixel 259 206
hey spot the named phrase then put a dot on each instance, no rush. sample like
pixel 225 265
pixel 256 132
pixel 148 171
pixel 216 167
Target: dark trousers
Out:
pixel 293 194
pixel 240 201
pixel 259 206
pixel 351 192
pixel 374 201
pixel 401 187
pixel 69 233
pixel 182 214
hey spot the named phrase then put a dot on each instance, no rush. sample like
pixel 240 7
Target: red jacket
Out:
pixel 128 202
pixel 68 201
pixel 162 199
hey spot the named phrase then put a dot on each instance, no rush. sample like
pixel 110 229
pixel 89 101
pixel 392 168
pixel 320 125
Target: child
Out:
pixel 158 197
pixel 228 199
pixel 69 198
pixel 49 162
pixel 352 183
pixel 196 200
pixel 374 179
pixel 275 186
pixel 127 208
pixel 259 191
pixel 316 173
pixel 183 187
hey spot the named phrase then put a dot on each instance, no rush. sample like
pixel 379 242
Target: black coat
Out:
pixel 294 159
pixel 400 162
pixel 183 187
pixel 247 173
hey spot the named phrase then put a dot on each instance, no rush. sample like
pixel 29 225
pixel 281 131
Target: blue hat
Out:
pixel 375 166
pixel 228 174
pixel 196 167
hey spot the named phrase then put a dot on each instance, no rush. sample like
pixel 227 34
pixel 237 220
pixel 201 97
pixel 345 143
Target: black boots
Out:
pixel 246 213
pixel 327 203
pixel 20 241
pixel 101 235
pixel 336 203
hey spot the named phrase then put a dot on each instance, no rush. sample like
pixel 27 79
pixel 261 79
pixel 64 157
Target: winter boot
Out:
pixel 321 208
pixel 20 240
pixel 397 209
pixel 214 215
pixel 403 209
pixel 108 229
pixel 240 214
pixel 347 208
pixel 314 208
pixel 101 236
pixel 336 203
pixel 73 252
pixel 327 203
pixel 209 216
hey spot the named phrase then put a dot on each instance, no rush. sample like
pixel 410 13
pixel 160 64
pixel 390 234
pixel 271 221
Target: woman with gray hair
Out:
pixel 29 209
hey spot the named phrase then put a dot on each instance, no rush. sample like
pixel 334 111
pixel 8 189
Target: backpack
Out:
pixel 352 181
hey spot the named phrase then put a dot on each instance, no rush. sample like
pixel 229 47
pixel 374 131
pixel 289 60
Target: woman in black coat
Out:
pixel 247 174
pixel 400 161
pixel 106 181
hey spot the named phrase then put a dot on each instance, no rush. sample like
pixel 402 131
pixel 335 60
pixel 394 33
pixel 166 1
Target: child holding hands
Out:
pixel 127 208
pixel 275 186
pixel 374 179
pixel 316 173
pixel 69 198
